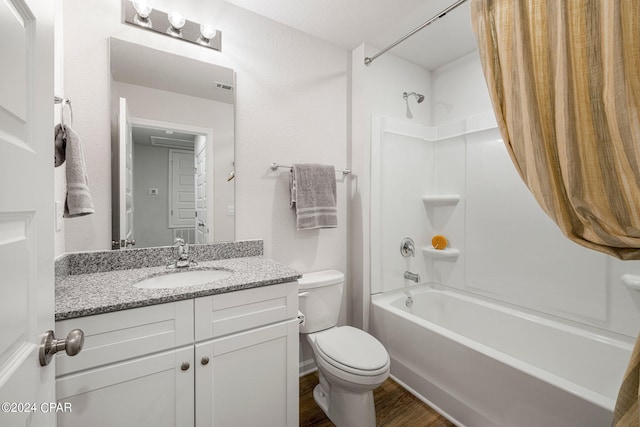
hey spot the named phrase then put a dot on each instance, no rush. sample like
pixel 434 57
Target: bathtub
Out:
pixel 480 363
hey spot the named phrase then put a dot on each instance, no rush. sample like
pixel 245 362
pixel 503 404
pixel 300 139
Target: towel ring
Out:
pixel 63 102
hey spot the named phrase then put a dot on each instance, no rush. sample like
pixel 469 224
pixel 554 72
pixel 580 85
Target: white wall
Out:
pixel 291 107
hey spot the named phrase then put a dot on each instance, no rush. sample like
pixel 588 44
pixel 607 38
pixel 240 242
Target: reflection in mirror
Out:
pixel 169 161
pixel 173 148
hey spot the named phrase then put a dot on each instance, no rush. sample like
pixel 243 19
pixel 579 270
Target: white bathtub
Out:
pixel 484 364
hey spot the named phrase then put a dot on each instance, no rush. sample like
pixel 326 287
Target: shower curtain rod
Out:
pixel 369 60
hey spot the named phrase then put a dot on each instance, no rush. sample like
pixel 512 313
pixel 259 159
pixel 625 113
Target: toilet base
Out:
pixel 346 409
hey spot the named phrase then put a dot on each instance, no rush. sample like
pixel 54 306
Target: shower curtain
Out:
pixel 564 80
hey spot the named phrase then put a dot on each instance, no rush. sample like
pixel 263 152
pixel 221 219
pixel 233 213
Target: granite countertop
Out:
pixel 94 293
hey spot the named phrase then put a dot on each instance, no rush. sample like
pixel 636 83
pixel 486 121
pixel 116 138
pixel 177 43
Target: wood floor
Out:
pixel 395 407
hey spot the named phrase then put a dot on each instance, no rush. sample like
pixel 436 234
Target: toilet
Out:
pixel 351 363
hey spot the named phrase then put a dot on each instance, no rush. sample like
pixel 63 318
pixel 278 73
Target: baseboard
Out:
pixel 306 367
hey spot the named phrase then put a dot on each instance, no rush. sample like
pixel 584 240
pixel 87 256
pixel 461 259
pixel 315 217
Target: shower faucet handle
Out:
pixel 407 247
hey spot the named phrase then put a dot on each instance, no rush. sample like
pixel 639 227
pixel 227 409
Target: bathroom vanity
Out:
pixel 221 353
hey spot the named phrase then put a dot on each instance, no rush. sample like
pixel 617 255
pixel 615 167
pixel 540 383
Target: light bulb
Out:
pixel 143 9
pixel 176 20
pixel 208 31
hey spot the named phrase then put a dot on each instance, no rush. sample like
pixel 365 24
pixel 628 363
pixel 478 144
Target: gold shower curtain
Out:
pixel 564 80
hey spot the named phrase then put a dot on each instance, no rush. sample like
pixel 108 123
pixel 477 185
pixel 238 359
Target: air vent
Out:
pixel 171 142
pixel 224 86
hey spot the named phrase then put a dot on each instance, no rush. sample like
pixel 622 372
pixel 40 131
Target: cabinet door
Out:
pixel 148 391
pixel 251 378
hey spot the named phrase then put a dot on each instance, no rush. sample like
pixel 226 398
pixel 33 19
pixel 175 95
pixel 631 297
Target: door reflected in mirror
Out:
pixel 173 148
pixel 169 185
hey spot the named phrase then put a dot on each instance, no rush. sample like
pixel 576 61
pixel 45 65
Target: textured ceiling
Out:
pixel 349 23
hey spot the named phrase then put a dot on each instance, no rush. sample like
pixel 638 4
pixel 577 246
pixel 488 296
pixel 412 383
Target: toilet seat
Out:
pixel 352 350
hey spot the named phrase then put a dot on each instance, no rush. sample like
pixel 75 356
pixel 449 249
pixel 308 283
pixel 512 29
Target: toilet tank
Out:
pixel 319 299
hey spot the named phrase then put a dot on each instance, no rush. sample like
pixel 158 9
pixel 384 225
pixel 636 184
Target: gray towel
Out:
pixel 60 147
pixel 78 202
pixel 313 193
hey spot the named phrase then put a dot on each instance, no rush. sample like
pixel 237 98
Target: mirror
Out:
pixel 172 132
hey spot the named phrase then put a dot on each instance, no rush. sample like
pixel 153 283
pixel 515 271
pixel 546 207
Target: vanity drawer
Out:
pixel 122 335
pixel 225 314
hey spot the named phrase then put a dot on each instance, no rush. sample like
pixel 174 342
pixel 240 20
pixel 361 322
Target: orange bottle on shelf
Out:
pixel 439 242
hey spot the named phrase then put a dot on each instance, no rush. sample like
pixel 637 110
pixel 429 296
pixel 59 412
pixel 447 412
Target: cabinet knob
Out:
pixel 185 366
pixel 50 345
pixel 205 360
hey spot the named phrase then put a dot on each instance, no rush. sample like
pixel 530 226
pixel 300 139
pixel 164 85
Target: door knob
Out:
pixel 50 345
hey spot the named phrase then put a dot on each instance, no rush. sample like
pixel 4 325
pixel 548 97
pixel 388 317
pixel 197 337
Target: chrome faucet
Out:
pixel 412 276
pixel 182 261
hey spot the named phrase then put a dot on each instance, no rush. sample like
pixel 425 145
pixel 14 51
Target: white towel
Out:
pixel 78 202
pixel 313 193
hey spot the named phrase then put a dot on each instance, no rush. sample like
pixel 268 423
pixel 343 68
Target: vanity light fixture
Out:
pixel 142 15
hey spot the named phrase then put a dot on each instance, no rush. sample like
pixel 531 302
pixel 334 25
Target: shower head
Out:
pixel 418 96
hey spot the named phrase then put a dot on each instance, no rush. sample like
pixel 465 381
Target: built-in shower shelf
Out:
pixel 440 199
pixel 631 281
pixel 446 253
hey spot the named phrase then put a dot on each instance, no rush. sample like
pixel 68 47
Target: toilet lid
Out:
pixel 352 348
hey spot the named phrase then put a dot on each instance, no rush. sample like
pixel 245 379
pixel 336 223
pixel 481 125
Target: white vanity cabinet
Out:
pixel 223 360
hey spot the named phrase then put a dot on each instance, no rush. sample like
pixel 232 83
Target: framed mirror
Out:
pixel 172 132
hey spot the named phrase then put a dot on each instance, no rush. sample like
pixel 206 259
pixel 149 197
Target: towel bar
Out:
pixel 274 166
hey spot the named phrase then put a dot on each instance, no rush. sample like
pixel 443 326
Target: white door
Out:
pixel 182 191
pixel 202 228
pixel 125 176
pixel 26 209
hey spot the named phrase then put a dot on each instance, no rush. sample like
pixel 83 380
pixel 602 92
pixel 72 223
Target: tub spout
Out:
pixel 412 276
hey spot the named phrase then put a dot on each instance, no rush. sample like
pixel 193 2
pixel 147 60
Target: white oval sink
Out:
pixel 182 278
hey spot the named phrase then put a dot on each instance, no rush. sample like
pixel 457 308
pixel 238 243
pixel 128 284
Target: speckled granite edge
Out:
pixel 62 266
pixel 96 293
pixel 104 261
